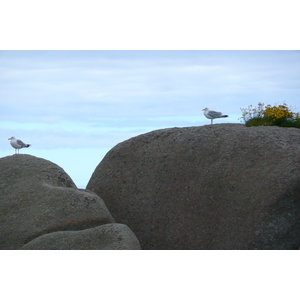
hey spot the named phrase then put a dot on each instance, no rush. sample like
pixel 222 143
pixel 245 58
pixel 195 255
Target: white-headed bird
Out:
pixel 211 114
pixel 17 144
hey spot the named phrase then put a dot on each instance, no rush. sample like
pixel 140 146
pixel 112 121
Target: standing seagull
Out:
pixel 17 144
pixel 211 114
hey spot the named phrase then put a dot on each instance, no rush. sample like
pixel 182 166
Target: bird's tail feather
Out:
pixel 27 145
pixel 224 116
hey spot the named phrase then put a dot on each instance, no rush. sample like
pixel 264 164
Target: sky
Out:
pixel 74 106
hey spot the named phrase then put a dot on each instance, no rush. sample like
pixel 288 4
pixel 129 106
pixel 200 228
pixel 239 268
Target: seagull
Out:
pixel 211 114
pixel 17 144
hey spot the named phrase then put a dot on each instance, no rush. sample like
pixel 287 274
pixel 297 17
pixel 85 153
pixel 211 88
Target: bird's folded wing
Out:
pixel 20 143
pixel 214 114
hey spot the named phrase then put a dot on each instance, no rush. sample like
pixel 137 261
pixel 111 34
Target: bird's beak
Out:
pixel 9 139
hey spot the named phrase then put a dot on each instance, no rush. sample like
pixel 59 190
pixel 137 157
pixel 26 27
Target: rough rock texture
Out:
pixel 105 237
pixel 223 186
pixel 38 197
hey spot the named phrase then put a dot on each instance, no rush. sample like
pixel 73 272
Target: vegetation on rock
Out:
pixel 267 115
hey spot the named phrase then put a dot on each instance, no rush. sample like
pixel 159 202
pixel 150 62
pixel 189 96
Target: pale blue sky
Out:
pixel 73 106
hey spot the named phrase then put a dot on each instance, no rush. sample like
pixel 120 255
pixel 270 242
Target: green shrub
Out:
pixel 268 115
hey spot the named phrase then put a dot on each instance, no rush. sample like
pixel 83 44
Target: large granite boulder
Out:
pixel 223 186
pixel 38 198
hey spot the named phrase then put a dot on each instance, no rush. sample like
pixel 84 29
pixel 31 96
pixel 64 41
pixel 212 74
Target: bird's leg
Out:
pixel 211 121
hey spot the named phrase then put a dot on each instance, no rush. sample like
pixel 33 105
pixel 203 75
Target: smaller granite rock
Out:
pixel 39 200
pixel 106 237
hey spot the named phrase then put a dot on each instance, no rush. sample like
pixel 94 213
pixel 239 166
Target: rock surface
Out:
pixel 223 186
pixel 38 197
pixel 105 237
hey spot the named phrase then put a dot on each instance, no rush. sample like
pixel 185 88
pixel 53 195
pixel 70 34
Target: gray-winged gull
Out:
pixel 211 114
pixel 17 144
